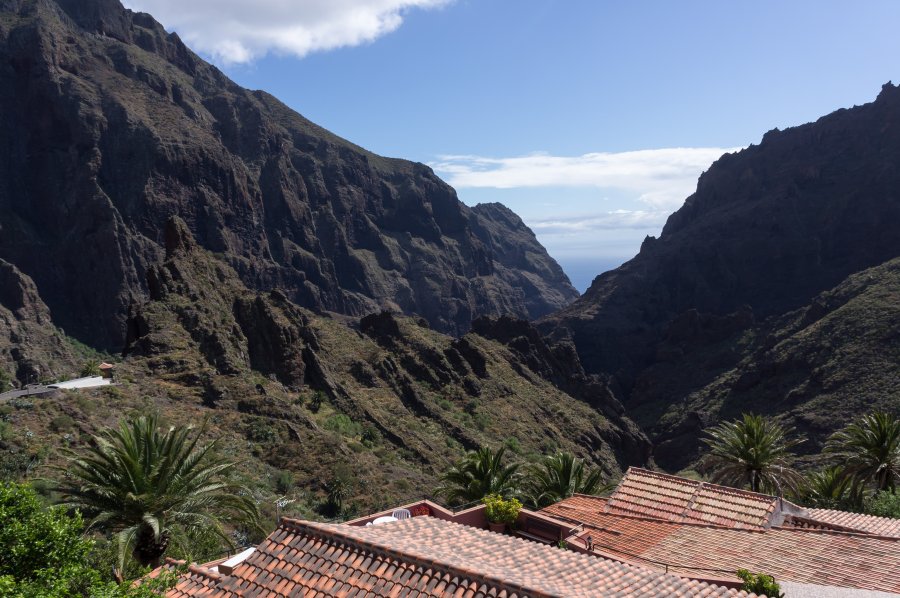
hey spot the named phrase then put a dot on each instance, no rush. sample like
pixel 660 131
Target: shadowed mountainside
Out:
pixel 726 311
pixel 109 126
pixel 383 401
pixel 770 227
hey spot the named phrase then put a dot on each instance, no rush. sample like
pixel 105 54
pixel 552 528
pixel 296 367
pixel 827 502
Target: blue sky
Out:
pixel 591 119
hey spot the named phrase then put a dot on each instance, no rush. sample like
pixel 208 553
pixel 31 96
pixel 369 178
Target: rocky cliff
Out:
pixel 770 290
pixel 109 125
pixel 768 227
pixel 31 348
pixel 383 397
pixel 815 368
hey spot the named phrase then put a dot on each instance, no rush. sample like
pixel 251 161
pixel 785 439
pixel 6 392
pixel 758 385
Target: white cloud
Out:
pixel 642 220
pixel 660 178
pixel 239 31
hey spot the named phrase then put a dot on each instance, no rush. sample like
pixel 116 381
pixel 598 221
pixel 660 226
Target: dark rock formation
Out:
pixel 109 126
pixel 814 368
pixel 768 227
pixel 426 393
pixel 31 348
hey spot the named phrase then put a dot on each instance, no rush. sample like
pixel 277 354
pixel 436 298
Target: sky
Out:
pixel 591 119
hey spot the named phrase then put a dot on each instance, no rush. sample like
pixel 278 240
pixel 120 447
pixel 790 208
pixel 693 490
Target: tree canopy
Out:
pixel 149 486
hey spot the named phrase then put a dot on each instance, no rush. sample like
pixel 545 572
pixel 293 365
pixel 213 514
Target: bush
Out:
pixel 500 510
pixel 284 482
pixel 445 404
pixel 370 435
pixel 62 423
pixel 91 367
pixel 260 430
pixel 342 424
pixel 5 381
pixel 884 504
pixel 759 584
pixel 315 403
pixel 40 546
pixel 512 443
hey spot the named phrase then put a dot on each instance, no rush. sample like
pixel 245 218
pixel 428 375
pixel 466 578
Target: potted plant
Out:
pixel 500 512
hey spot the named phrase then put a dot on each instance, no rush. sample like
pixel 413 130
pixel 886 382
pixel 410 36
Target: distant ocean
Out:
pixel 582 271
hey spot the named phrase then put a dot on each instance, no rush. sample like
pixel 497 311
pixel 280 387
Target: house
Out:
pixel 656 535
pixel 698 529
pixel 106 369
pixel 439 553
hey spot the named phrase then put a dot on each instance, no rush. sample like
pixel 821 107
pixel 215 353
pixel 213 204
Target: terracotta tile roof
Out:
pixel 199 582
pixel 426 556
pixel 880 526
pixel 650 494
pixel 849 560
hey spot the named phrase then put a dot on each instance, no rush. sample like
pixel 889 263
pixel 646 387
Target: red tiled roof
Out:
pixel 199 582
pixel 809 556
pixel 661 496
pixel 426 556
pixel 880 526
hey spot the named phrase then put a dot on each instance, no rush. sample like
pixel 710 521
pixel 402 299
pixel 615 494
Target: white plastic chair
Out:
pixel 401 514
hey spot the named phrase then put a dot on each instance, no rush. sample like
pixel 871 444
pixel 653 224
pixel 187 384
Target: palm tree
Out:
pixel 871 449
pixel 477 475
pixel 832 488
pixel 149 486
pixel 560 476
pixel 752 451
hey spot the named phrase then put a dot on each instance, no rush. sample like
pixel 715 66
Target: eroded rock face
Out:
pixel 31 348
pixel 203 330
pixel 109 126
pixel 769 227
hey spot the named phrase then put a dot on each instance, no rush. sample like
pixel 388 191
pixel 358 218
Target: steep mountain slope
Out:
pixel 382 402
pixel 768 227
pixel 816 367
pixel 109 125
pixel 31 348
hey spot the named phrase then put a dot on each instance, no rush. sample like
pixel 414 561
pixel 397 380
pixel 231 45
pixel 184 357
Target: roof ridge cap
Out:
pixel 203 572
pixel 837 532
pixel 867 515
pixel 330 531
pixel 748 528
pixel 690 503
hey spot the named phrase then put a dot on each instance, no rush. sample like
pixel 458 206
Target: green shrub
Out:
pixel 500 510
pixel 445 404
pixel 512 443
pixel 370 435
pixel 481 421
pixel 342 424
pixel 315 403
pixel 5 381
pixel 284 482
pixel 884 504
pixel 62 423
pixel 91 367
pixel 260 430
pixel 760 584
pixel 22 403
pixel 337 490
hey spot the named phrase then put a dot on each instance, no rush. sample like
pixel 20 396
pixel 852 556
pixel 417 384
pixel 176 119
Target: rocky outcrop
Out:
pixel 31 348
pixel 814 368
pixel 768 227
pixel 426 394
pixel 538 281
pixel 109 126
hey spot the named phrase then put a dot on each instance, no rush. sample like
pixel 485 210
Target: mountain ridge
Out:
pixel 111 125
